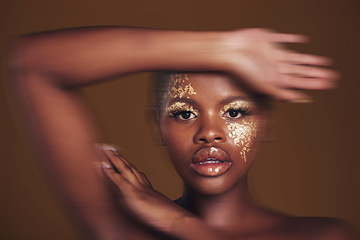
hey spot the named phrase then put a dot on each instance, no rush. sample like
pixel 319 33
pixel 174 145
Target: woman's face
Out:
pixel 211 129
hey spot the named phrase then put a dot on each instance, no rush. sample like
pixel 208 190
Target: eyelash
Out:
pixel 178 114
pixel 243 112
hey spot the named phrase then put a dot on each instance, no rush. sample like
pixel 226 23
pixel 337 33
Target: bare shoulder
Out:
pixel 325 228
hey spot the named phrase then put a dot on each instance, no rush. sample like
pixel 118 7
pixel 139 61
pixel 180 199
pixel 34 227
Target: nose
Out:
pixel 210 129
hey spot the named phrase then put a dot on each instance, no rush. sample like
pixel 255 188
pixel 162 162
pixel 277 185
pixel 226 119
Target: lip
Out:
pixel 210 161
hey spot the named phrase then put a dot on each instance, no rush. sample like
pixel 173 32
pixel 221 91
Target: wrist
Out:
pixel 229 47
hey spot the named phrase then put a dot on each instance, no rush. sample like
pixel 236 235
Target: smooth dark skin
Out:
pixel 224 202
pixel 48 67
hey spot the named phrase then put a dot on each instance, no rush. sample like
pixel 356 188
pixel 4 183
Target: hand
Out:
pixel 268 68
pixel 137 196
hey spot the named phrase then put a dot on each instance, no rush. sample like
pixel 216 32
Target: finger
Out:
pixel 289 38
pixel 132 167
pixel 138 175
pixel 270 86
pixel 283 94
pixel 120 182
pixel 111 149
pixel 121 167
pixel 308 71
pixel 111 173
pixel 305 59
pixel 145 179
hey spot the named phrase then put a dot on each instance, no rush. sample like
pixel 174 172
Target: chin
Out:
pixel 213 186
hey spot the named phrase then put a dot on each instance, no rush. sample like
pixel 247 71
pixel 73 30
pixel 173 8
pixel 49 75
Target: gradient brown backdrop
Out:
pixel 310 169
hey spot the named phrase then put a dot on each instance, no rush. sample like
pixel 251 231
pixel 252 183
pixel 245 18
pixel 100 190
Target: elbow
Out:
pixel 26 62
pixel 38 58
pixel 23 67
pixel 20 56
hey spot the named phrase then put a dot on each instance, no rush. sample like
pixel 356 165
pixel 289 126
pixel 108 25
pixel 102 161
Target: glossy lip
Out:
pixel 211 161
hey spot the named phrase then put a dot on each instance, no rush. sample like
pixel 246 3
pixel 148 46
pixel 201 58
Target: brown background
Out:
pixel 310 169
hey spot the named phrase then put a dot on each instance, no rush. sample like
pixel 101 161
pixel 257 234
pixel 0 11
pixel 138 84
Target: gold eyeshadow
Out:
pixel 238 104
pixel 178 88
pixel 178 107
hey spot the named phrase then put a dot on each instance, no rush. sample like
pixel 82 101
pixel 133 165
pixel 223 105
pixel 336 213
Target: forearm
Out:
pixel 85 55
pixel 45 66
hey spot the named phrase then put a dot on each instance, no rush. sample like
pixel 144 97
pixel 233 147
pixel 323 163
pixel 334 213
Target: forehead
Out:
pixel 216 84
pixel 203 87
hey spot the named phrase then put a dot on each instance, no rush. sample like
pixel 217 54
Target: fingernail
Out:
pixel 302 101
pixel 105 165
pixel 107 147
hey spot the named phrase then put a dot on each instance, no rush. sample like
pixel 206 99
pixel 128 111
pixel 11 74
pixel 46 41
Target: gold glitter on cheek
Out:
pixel 242 135
pixel 177 87
pixel 180 107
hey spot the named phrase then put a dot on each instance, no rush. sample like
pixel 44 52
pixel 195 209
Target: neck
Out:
pixel 223 209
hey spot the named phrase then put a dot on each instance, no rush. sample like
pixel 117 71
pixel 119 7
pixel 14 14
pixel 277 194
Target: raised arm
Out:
pixel 85 55
pixel 47 67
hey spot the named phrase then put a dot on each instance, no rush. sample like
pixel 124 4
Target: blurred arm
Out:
pixel 46 67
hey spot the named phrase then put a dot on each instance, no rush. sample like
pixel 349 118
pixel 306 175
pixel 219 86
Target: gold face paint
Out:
pixel 242 134
pixel 177 87
pixel 241 131
pixel 178 107
pixel 238 104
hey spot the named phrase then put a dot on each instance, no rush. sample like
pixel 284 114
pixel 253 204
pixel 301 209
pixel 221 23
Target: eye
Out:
pixel 237 113
pixel 182 111
pixel 185 115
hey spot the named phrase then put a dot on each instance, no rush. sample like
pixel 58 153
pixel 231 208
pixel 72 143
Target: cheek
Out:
pixel 178 142
pixel 177 139
pixel 243 135
pixel 170 132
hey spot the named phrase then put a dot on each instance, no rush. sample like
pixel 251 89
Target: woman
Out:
pixel 212 131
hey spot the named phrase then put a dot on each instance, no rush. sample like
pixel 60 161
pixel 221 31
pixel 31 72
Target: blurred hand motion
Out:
pixel 267 67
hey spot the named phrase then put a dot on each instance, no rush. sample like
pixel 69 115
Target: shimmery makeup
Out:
pixel 243 104
pixel 177 107
pixel 177 87
pixel 242 132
